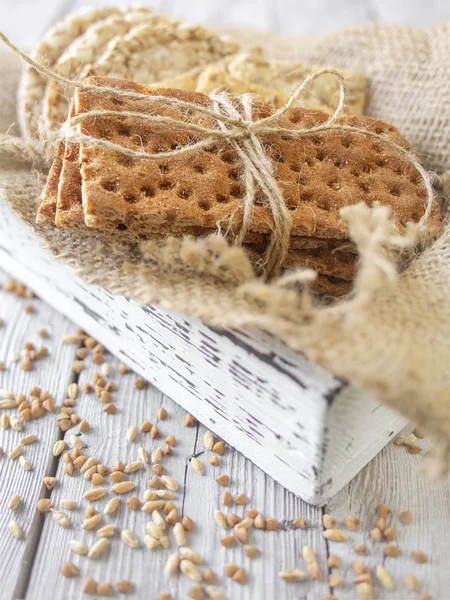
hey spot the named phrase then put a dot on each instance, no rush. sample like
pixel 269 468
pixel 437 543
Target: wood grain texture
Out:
pixel 392 477
pixel 51 374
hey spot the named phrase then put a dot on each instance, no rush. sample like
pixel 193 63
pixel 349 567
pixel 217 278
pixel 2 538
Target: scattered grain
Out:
pixel 384 577
pixel 123 487
pixel 129 538
pixel 292 575
pixel 68 569
pixel 98 548
pixel 197 466
pixel 334 562
pixel 92 521
pixel 391 550
pixel 419 556
pixel 61 518
pixel 412 583
pixel 406 517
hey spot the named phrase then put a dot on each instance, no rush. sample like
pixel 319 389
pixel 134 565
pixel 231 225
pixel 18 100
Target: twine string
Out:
pixel 240 129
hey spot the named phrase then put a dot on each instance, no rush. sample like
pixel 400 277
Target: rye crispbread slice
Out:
pixel 318 175
pixel 286 76
pixel 81 54
pixel 32 84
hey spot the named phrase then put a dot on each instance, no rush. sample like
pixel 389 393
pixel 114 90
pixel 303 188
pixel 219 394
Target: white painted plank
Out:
pixel 279 550
pixel 393 478
pixel 52 374
pixel 107 441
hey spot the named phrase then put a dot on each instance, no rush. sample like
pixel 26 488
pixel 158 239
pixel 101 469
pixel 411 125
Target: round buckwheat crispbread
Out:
pixel 82 53
pixel 148 54
pixel 32 84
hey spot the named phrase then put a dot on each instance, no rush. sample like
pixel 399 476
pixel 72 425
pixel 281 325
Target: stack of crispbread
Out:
pixel 193 193
pixel 199 192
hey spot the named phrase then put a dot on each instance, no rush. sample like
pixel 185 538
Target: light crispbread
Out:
pixel 82 53
pixel 32 84
pixel 213 77
pixel 286 76
pixel 318 175
pixel 148 54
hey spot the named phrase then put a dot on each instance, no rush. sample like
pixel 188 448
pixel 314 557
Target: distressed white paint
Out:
pixel 392 477
pixel 53 375
pixel 290 417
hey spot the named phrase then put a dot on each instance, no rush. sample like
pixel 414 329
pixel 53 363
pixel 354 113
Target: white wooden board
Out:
pixel 393 477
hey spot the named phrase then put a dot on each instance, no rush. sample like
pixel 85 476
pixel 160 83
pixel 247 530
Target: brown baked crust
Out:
pixel 318 174
pixel 47 209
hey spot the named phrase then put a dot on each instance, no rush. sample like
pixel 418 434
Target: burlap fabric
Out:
pixel 392 335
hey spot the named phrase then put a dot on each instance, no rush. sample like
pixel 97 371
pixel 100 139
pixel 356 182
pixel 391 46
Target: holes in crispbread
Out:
pixel 320 155
pixel 381 162
pixel 228 156
pixel 334 185
pixel 345 141
pixel 364 186
pixel 184 193
pixel 302 180
pixel 125 160
pixel 309 160
pixel 236 191
pixel 395 191
pixel 234 174
pixel 164 168
pixel 148 191
pixel 222 198
pixel 124 130
pixel 339 163
pixel 204 205
pixel 122 227
pixel 166 184
pixel 130 198
pixel 306 197
pixel 199 169
pixel 296 168
pixel 109 185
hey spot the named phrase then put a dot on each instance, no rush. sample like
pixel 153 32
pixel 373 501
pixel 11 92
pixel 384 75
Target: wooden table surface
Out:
pixel 29 567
